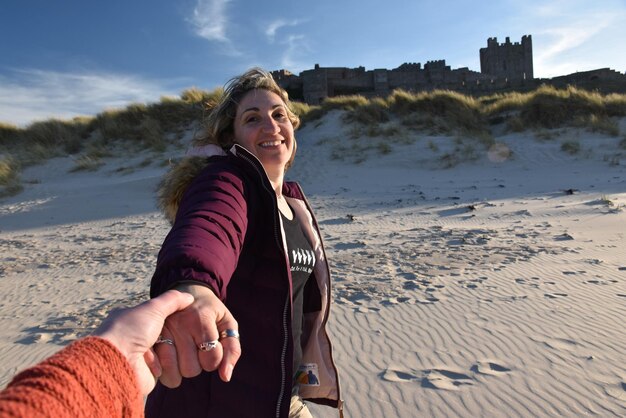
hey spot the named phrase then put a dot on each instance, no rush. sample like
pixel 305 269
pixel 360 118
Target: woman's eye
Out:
pixel 251 119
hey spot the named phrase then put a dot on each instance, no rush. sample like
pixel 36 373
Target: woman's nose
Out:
pixel 270 126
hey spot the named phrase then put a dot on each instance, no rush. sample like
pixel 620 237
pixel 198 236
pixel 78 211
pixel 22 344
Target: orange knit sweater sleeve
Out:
pixel 88 378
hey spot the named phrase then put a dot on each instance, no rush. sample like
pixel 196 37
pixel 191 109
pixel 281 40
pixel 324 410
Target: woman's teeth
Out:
pixel 270 144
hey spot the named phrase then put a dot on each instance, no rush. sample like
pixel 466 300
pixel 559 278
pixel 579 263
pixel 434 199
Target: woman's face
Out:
pixel 262 126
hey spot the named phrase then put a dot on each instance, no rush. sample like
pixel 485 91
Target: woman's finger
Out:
pixel 232 352
pixel 167 356
pixel 229 339
pixel 186 348
pixel 210 353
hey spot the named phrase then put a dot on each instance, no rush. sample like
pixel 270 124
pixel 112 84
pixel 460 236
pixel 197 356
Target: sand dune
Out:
pixel 492 288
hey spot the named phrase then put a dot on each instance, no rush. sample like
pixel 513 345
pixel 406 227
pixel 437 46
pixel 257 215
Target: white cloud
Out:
pixel 295 46
pixel 561 46
pixel 564 33
pixel 562 39
pixel 209 20
pixel 274 26
pixel 29 95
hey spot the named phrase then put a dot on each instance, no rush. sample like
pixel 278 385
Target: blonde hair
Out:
pixel 219 124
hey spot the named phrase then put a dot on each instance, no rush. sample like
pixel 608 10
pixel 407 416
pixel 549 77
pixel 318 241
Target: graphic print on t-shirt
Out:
pixel 307 374
pixel 302 260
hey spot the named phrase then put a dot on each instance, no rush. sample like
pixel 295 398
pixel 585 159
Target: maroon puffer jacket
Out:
pixel 227 235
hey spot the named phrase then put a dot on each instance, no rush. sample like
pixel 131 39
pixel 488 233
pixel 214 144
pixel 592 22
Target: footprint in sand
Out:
pixel 397 300
pixel 618 391
pixel 366 309
pixel 525 282
pixel 601 282
pixel 559 344
pixel 555 295
pixel 472 283
pixel 393 375
pixel 445 379
pixel 349 245
pixel 427 301
pixel 489 368
pixel 564 237
pixel 35 338
pixel 410 285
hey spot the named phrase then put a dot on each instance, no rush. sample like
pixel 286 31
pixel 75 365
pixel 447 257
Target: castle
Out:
pixel 505 66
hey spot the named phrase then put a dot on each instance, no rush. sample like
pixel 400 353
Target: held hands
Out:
pixel 134 331
pixel 201 322
pixel 188 323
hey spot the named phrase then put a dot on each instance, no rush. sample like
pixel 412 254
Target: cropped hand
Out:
pixel 201 322
pixel 135 330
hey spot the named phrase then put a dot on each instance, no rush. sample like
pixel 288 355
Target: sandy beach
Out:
pixel 487 288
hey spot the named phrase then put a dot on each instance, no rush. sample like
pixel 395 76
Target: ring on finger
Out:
pixel 162 340
pixel 208 345
pixel 232 333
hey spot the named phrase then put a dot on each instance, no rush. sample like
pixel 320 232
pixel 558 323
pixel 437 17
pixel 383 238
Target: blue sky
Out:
pixel 69 57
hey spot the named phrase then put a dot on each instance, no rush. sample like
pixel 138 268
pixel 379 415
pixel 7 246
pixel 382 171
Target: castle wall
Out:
pixel 603 80
pixel 320 83
pixel 504 67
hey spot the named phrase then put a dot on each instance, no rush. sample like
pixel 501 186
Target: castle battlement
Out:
pixel 512 61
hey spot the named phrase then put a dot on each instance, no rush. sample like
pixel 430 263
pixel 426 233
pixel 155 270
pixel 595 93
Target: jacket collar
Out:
pixel 211 150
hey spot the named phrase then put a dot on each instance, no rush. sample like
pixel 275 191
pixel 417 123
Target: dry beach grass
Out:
pixel 478 269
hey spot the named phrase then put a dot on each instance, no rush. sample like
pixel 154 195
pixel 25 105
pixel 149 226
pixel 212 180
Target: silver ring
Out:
pixel 232 333
pixel 162 340
pixel 207 345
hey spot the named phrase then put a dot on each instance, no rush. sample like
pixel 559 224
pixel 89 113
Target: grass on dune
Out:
pixel 155 126
pixel 437 111
pixel 549 107
pixel 441 111
pixel 449 111
pixel 9 177
pixel 137 126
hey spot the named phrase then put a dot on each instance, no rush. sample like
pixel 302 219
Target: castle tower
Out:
pixel 507 60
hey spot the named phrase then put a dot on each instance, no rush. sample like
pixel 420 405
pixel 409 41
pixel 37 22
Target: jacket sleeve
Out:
pixel 207 236
pixel 89 378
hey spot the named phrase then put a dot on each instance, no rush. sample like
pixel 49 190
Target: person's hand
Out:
pixel 200 323
pixel 135 330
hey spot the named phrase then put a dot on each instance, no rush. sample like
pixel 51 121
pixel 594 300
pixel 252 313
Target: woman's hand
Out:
pixel 201 322
pixel 134 331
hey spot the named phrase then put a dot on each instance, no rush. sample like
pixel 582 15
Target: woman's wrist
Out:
pixel 196 289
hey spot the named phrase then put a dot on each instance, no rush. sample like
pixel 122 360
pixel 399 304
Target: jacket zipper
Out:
pixel 283 353
pixel 329 296
pixel 269 190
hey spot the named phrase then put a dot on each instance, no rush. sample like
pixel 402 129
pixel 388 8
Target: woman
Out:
pixel 245 243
